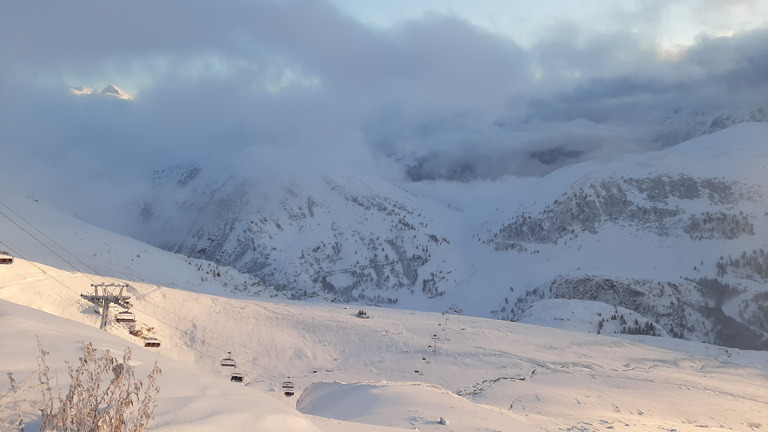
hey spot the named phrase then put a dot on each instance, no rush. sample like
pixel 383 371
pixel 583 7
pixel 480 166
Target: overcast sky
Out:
pixel 666 24
pixel 288 87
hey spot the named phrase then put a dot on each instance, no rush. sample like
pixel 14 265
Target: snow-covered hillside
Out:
pixel 395 370
pixel 353 238
pixel 683 125
pixel 667 217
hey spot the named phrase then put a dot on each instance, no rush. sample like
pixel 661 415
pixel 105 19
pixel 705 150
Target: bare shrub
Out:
pixel 11 416
pixel 103 395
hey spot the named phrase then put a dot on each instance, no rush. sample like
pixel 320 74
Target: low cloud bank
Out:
pixel 276 91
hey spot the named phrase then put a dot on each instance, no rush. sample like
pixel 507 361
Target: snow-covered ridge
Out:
pixel 395 371
pixel 665 217
pixel 111 91
pixel 342 239
pixel 659 204
pixel 680 309
pixel 683 125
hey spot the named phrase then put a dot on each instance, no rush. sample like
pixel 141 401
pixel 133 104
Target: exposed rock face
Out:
pixel 344 241
pixel 656 204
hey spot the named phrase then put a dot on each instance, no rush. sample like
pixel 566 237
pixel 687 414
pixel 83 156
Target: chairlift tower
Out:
pixel 106 298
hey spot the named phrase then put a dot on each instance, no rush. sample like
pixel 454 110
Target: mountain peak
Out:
pixel 113 90
pixel 109 91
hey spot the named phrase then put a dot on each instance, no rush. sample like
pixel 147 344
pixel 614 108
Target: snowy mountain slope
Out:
pixel 69 244
pixel 679 309
pixel 364 371
pixel 588 317
pixel 683 125
pixel 477 247
pixel 660 217
pixel 350 238
pixel 661 205
pixel 396 370
pixel 189 400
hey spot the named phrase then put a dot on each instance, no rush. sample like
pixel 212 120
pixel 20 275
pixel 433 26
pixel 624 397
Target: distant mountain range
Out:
pixel 655 233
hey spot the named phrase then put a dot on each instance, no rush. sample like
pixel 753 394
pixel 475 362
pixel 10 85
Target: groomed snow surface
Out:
pixel 396 370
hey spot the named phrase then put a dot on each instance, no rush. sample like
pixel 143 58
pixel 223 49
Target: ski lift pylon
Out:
pixel 228 361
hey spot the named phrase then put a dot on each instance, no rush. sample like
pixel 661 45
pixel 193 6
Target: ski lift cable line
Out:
pixel 197 324
pixel 93 271
pixel 353 268
pixel 50 275
pixel 62 258
pixel 232 342
pixel 200 339
pixel 15 253
pixel 75 268
pixel 167 337
pixel 58 255
pixel 50 239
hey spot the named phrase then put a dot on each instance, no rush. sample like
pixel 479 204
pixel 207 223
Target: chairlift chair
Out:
pixel 236 377
pixel 288 390
pixel 125 316
pixel 151 342
pixel 228 361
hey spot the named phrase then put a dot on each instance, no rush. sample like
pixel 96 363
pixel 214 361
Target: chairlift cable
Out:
pixel 41 242
pixel 199 339
pixel 232 341
pixel 48 237
pixel 34 264
pixel 16 253
pixel 166 337
pixel 78 270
